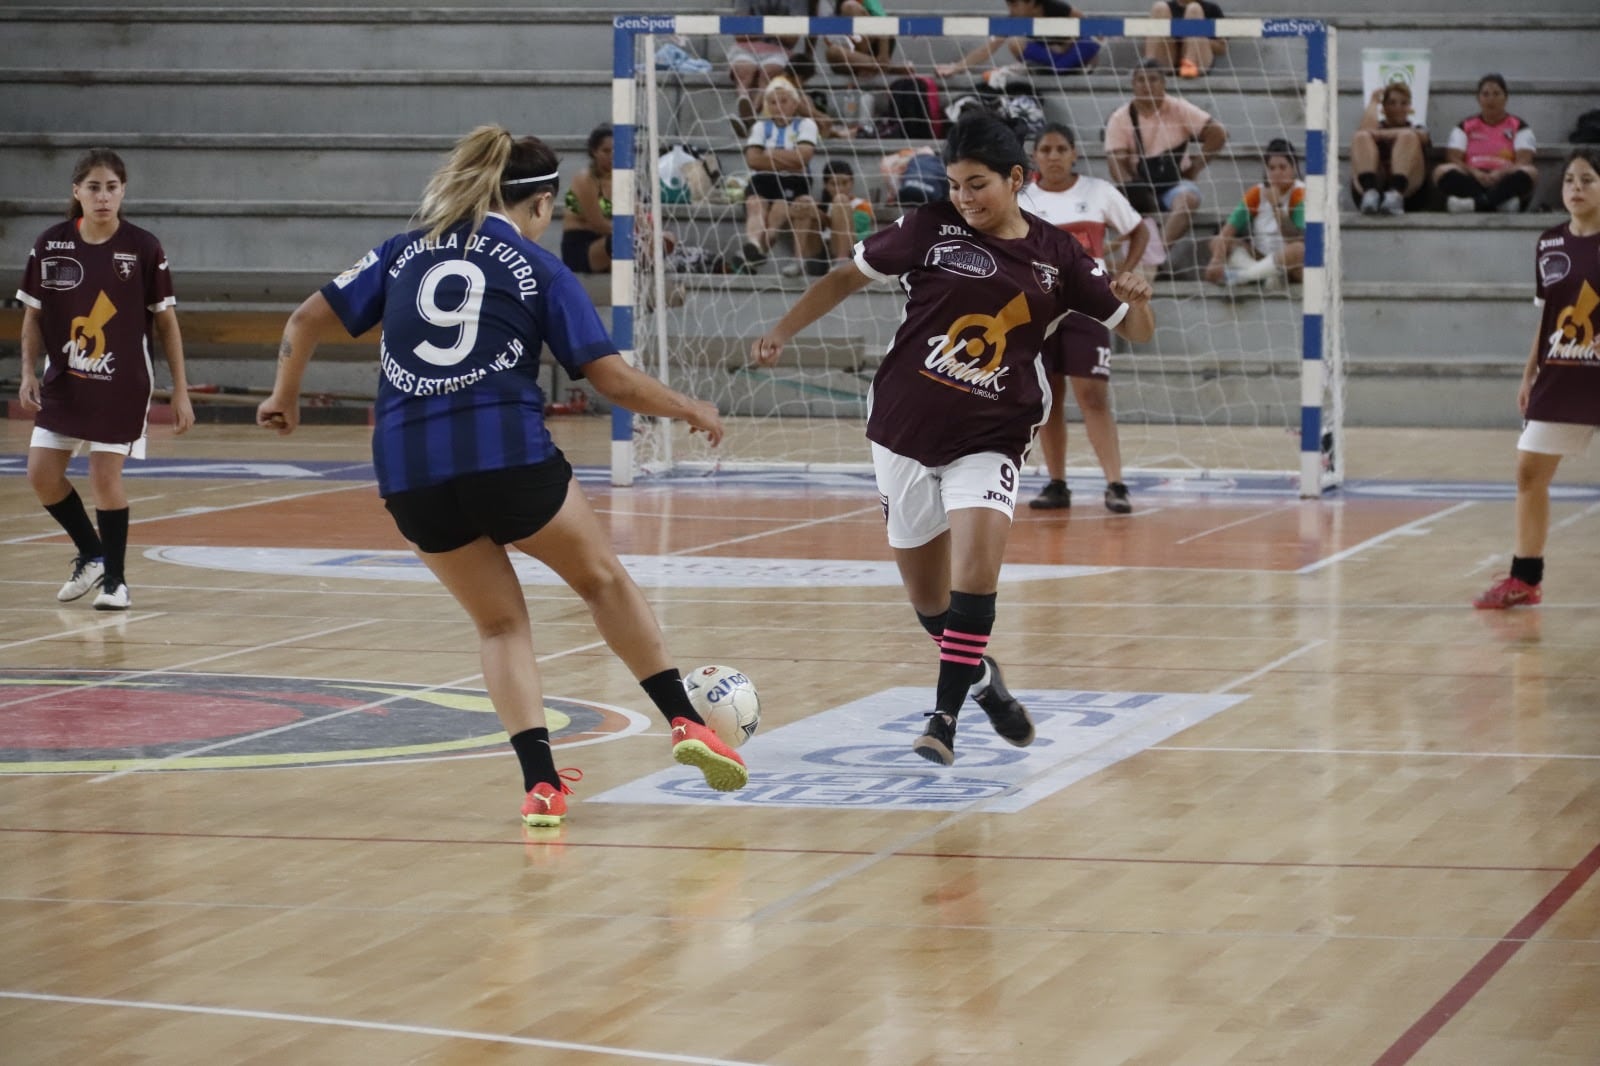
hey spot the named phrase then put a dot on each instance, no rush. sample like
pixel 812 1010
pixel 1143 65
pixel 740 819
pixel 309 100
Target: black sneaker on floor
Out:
pixel 1006 713
pixel 1055 497
pixel 1117 501
pixel 938 742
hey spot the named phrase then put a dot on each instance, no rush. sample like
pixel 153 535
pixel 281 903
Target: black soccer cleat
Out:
pixel 1117 501
pixel 1054 497
pixel 1006 713
pixel 938 742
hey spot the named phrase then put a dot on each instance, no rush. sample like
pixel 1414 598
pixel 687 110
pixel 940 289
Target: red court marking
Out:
pixel 1472 982
pixel 111 717
pixel 298 838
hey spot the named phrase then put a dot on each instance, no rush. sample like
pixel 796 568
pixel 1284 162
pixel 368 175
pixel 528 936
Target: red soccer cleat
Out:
pixel 546 804
pixel 1508 592
pixel 696 745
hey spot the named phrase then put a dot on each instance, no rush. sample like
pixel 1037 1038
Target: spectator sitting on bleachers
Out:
pixel 586 225
pixel 1058 54
pixel 1187 57
pixel 1149 154
pixel 1263 238
pixel 1389 155
pixel 779 152
pixel 753 61
pixel 1490 157
pixel 848 216
pixel 858 57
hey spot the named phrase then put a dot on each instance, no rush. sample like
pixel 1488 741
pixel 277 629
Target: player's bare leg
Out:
pixel 1100 426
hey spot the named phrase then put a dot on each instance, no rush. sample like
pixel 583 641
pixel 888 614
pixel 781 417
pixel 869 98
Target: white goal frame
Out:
pixel 1321 340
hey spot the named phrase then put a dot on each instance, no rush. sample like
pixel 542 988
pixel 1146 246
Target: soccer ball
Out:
pixel 727 700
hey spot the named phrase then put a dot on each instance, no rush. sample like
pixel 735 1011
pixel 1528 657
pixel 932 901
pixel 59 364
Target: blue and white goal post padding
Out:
pixel 1321 336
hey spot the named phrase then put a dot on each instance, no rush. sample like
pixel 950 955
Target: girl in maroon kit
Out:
pixel 960 392
pixel 1560 393
pixel 96 291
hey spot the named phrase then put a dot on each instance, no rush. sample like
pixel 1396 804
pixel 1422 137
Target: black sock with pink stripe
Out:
pixel 966 637
pixel 934 623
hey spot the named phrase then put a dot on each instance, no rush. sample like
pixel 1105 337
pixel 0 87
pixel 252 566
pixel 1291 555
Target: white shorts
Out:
pixel 1555 438
pixel 917 499
pixel 44 438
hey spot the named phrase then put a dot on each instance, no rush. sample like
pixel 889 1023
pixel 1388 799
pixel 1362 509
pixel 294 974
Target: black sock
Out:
pixel 1399 183
pixel 1529 571
pixel 1511 187
pixel 1367 181
pixel 934 623
pixel 666 691
pixel 70 516
pixel 1457 183
pixel 538 763
pixel 114 537
pixel 966 638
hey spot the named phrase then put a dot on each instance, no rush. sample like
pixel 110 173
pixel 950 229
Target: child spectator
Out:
pixel 848 216
pixel 1263 239
pixel 1389 155
pixel 1489 157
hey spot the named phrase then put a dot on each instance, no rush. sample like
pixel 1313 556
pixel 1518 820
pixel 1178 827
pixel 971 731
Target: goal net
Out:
pixel 1242 378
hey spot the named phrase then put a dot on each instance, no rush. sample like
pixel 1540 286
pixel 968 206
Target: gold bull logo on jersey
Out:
pixel 959 355
pixel 1573 338
pixel 86 339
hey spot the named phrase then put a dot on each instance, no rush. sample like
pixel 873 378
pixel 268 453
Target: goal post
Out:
pixel 1239 380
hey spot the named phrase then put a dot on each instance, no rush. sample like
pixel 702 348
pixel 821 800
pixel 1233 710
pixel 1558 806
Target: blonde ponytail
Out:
pixel 467 187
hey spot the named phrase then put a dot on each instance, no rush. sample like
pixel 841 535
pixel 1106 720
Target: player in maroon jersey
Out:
pixel 1560 393
pixel 96 291
pixel 962 389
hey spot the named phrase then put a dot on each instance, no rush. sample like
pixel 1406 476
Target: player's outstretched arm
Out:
pixel 632 388
pixel 1139 324
pixel 309 322
pixel 823 296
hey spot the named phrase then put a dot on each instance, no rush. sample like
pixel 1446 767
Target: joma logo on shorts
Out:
pixel 1002 497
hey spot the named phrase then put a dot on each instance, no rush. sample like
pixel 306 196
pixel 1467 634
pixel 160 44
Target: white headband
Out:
pixel 532 181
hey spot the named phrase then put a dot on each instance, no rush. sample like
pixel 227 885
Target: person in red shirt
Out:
pixel 1560 392
pixel 95 292
pixel 961 391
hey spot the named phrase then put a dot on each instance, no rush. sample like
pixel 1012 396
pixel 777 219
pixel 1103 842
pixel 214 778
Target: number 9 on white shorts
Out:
pixel 918 499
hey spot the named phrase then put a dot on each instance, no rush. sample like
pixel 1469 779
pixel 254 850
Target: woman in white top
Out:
pixel 1080 349
pixel 778 152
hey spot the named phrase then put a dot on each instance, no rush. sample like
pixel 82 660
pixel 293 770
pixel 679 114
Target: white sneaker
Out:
pixel 790 269
pixel 1509 207
pixel 86 574
pixel 1370 201
pixel 115 598
pixel 1393 203
pixel 1460 205
pixel 1240 258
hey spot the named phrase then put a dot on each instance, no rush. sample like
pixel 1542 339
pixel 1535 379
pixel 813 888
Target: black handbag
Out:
pixel 1153 174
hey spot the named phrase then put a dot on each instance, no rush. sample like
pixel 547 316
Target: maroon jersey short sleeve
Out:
pixel 1567 284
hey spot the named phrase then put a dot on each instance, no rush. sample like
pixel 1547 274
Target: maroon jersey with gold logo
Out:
pixel 96 303
pixel 963 374
pixel 1567 287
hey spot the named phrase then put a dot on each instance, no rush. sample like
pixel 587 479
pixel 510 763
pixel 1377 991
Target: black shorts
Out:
pixel 1079 348
pixel 777 185
pixel 503 505
pixel 575 244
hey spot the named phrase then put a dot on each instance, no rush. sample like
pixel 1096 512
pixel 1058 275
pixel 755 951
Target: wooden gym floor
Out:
pixel 1294 800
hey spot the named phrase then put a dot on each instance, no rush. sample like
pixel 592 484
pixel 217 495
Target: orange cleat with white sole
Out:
pixel 1508 592
pixel 696 745
pixel 546 804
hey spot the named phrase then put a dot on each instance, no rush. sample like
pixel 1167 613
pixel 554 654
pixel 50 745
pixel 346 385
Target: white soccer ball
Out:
pixel 727 700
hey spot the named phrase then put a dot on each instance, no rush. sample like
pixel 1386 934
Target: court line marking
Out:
pixel 382 1027
pixel 1413 526
pixel 841 516
pixel 1359 751
pixel 191 512
pixel 1592 509
pixel 152 764
pixel 110 623
pixel 1241 521
pixel 1425 1028
pixel 1073 765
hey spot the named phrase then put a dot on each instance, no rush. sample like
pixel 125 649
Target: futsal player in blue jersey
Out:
pixel 465 463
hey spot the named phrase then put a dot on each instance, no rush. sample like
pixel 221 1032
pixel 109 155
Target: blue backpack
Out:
pixel 924 182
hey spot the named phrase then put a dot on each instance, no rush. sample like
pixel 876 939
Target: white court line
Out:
pixel 110 623
pixel 1407 754
pixel 381 1027
pixel 189 512
pixel 1397 531
pixel 1073 765
pixel 1250 518
pixel 1593 508
pixel 117 679
pixel 152 764
pixel 875 508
